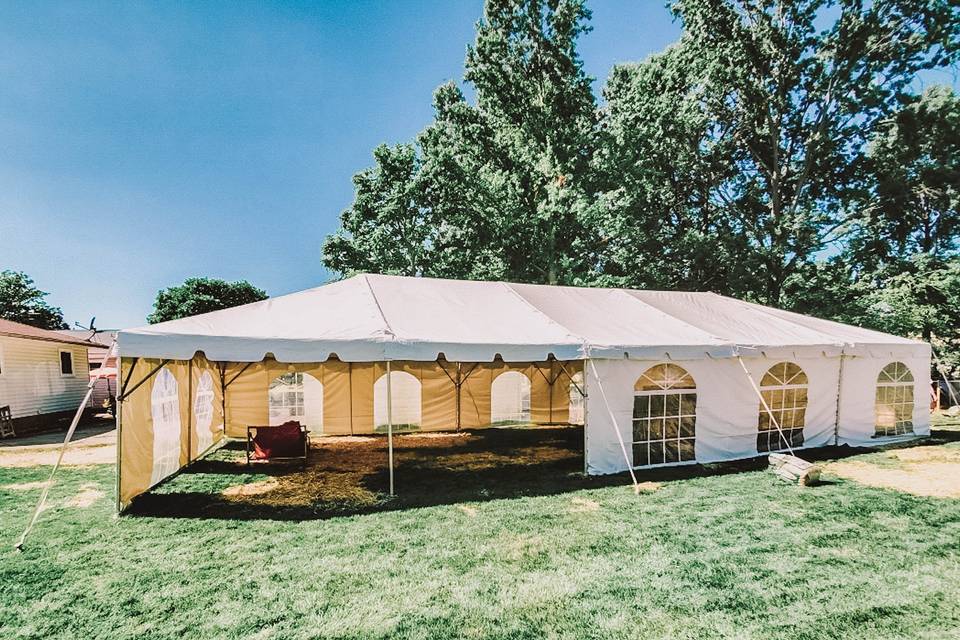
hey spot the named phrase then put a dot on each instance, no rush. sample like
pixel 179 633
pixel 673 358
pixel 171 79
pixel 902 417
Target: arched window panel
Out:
pixel 664 416
pixel 510 399
pixel 298 397
pixel 285 397
pixel 785 392
pixel 663 377
pixel 894 401
pixel 406 409
pixel 203 411
pixel 165 414
pixel 575 415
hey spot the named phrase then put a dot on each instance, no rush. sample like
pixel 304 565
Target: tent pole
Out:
pixel 586 422
pixel 836 421
pixel 118 407
pixel 459 400
pixel 350 391
pixel 162 364
pixel 63 449
pixel 190 409
pixel 616 429
pixel 223 395
pixel 390 425
pixel 550 393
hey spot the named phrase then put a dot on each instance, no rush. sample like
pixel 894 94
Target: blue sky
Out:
pixel 143 143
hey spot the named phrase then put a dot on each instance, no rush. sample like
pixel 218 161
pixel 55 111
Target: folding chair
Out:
pixel 288 441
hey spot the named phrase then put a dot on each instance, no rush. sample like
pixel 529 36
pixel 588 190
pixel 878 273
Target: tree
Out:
pixel 385 230
pixel 906 220
pixel 202 295
pixel 911 203
pixel 655 166
pixel 493 189
pixel 793 104
pixel 21 301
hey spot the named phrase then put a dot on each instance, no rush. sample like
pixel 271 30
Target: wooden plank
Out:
pixel 793 469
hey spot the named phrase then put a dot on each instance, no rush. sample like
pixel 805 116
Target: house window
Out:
pixel 664 416
pixel 510 399
pixel 405 406
pixel 299 397
pixel 894 406
pixel 66 363
pixel 784 390
pixel 576 398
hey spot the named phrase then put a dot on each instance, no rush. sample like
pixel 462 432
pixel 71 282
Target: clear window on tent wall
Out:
pixel 296 397
pixel 403 412
pixel 510 399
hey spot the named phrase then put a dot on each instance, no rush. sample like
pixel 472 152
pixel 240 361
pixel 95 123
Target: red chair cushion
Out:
pixel 284 441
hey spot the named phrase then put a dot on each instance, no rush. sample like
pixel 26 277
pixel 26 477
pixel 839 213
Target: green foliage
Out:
pixel 202 295
pixel 790 103
pixel 495 189
pixel 655 168
pixel 912 201
pixel 21 301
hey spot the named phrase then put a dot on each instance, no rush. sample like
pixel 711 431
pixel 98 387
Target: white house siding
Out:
pixel 30 379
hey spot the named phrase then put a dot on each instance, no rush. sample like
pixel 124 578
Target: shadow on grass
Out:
pixel 350 477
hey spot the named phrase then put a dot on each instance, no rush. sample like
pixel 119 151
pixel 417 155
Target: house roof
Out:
pixel 20 330
pixel 100 339
pixel 376 317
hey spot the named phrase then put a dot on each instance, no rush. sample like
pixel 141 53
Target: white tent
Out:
pixel 660 362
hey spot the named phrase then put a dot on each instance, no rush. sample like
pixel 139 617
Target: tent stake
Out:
pixel 390 425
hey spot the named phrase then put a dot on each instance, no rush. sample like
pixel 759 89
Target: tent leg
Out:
pixel 550 383
pixel 190 411
pixel 458 385
pixel 223 396
pixel 586 426
pixel 118 407
pixel 390 425
pixel 836 421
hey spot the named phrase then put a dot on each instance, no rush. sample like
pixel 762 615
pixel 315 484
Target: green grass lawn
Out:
pixel 738 555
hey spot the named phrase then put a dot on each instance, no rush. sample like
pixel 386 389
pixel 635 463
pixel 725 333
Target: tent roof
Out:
pixel 375 317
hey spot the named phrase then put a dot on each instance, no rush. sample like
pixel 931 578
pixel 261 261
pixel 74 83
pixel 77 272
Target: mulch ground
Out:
pixel 349 475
